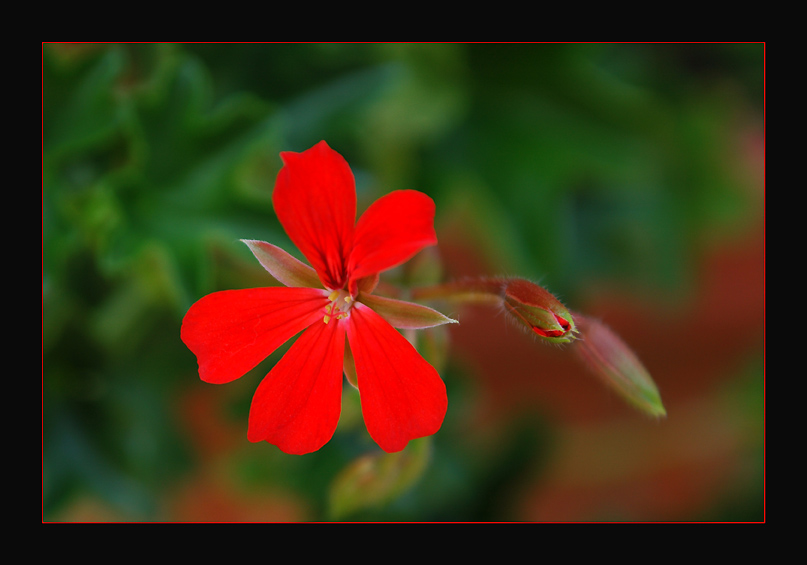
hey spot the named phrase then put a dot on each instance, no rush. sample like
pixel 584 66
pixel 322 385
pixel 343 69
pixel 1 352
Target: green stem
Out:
pixel 481 289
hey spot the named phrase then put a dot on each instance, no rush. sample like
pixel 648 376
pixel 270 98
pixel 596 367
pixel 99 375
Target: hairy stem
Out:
pixel 482 289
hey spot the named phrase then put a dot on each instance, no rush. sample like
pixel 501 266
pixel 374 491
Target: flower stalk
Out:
pixel 528 304
pixel 598 347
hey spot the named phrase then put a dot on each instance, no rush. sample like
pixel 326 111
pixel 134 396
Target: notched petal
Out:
pixel 231 331
pixel 392 230
pixel 297 405
pixel 402 396
pixel 315 201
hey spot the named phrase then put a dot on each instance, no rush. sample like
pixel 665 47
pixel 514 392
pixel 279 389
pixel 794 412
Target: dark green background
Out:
pixel 585 166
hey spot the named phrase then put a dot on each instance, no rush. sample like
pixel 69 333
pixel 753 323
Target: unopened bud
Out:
pixel 535 307
pixel 612 360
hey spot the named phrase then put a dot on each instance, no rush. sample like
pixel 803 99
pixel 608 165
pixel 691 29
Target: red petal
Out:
pixel 315 200
pixel 402 396
pixel 233 330
pixel 297 405
pixel 392 230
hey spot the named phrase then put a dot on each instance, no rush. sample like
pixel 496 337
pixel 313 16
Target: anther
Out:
pixel 338 309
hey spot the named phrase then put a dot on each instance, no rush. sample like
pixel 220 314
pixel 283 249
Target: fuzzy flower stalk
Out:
pixel 534 308
pixel 527 304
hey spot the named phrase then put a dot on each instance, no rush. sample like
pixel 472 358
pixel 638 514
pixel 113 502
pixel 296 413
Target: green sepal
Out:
pixel 404 315
pixel 349 367
pixel 285 268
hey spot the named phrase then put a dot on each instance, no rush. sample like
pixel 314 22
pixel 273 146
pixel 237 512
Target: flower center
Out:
pixel 339 308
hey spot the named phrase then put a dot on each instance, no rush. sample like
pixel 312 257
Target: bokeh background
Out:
pixel 626 178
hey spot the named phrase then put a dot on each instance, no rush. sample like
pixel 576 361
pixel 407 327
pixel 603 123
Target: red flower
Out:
pixel 297 405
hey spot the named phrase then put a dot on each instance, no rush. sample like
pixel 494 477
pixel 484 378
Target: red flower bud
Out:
pixel 535 307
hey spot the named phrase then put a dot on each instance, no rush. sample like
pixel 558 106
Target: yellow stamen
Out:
pixel 338 309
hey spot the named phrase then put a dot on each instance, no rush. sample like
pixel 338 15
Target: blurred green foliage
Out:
pixel 572 163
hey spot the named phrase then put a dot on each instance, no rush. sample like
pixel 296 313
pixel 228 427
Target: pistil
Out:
pixel 339 308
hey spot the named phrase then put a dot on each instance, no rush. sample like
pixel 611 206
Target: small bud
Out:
pixel 612 360
pixel 376 479
pixel 539 310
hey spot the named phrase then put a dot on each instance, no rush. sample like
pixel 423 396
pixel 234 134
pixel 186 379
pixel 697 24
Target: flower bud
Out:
pixel 539 310
pixel 612 360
